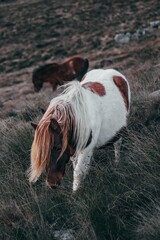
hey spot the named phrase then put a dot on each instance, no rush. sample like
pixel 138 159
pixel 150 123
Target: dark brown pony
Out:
pixel 60 73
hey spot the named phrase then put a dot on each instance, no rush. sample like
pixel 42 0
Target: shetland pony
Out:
pixel 60 73
pixel 87 115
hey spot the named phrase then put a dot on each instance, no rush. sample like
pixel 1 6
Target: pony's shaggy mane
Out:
pixel 69 109
pixel 41 147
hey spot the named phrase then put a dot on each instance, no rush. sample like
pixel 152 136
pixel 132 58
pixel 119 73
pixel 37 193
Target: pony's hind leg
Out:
pixel 117 148
pixel 81 168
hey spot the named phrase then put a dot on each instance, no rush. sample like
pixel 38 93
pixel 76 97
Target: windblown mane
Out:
pixel 69 109
pixel 41 147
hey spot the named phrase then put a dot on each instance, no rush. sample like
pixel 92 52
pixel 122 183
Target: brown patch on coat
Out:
pixel 123 88
pixel 95 87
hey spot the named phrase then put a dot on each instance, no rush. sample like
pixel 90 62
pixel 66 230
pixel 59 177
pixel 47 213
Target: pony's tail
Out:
pixel 41 149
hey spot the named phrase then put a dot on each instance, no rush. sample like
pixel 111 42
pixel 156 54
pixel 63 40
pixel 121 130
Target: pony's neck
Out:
pixel 71 138
pixel 72 144
pixel 71 112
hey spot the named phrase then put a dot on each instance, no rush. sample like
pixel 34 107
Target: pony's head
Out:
pixel 56 166
pixel 50 151
pixel 43 74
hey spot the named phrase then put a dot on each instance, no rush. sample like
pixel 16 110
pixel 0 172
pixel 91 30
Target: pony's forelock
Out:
pixel 41 147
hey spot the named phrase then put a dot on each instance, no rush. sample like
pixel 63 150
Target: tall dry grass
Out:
pixel 115 202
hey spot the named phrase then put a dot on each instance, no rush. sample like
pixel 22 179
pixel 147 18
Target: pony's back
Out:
pixel 105 77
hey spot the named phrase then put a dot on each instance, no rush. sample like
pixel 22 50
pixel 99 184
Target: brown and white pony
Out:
pixel 60 73
pixel 87 115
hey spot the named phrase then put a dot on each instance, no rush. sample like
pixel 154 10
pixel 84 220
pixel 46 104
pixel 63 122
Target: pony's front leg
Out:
pixel 81 167
pixel 74 162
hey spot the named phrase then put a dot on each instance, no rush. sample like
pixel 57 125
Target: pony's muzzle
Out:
pixel 53 186
pixel 54 182
pixel 37 89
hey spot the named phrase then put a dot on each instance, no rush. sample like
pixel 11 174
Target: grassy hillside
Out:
pixel 116 202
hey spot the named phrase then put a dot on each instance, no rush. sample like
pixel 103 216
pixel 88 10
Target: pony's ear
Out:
pixel 34 125
pixel 54 125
